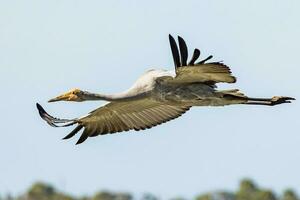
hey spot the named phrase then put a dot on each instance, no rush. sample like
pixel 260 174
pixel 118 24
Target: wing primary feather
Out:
pixel 44 114
pixel 206 59
pixel 150 116
pixel 135 125
pixel 217 63
pixel 196 55
pixel 118 117
pixel 108 124
pixel 76 130
pixel 144 122
pixel 53 121
pixel 83 136
pixel 146 118
pixel 93 132
pixel 127 122
pixel 183 51
pixel 175 52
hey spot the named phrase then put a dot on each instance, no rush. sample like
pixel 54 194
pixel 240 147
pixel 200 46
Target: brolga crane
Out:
pixel 158 96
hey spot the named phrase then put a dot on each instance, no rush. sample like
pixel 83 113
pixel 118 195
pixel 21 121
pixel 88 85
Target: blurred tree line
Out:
pixel 247 190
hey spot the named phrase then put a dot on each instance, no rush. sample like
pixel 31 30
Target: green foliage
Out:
pixel 204 197
pixel 84 198
pixel 264 195
pixel 247 190
pixel 112 196
pixel 103 196
pixel 149 196
pixel 178 198
pixel 289 195
pixel 217 195
pixel 42 191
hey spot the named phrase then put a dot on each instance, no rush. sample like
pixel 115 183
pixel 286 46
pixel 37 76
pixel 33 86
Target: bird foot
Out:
pixel 280 99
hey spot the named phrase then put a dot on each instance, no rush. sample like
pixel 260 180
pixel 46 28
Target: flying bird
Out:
pixel 158 96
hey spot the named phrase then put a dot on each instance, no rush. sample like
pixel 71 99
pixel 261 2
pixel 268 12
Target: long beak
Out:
pixel 59 98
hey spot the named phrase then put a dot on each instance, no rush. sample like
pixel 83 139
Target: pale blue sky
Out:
pixel 49 47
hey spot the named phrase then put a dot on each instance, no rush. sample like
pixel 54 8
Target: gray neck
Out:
pixel 88 96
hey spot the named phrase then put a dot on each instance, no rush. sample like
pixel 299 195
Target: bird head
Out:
pixel 72 95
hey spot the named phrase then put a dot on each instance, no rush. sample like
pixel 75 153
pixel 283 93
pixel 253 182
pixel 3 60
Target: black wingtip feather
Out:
pixel 76 130
pixel 45 116
pixel 206 59
pixel 82 138
pixel 175 52
pixel 183 51
pixel 85 134
pixel 53 121
pixel 196 55
pixel 40 109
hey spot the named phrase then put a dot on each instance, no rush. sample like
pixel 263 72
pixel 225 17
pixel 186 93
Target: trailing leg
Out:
pixel 276 100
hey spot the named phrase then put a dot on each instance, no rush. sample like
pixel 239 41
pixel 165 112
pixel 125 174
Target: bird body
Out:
pixel 154 84
pixel 157 97
pixel 159 85
pixel 147 83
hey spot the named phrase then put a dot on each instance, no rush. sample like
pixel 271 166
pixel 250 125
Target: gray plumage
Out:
pixel 157 96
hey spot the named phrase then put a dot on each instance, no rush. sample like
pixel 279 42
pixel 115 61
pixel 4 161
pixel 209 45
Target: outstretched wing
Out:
pixel 124 116
pixel 202 71
pixel 205 73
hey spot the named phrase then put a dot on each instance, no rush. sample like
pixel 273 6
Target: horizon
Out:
pixel 47 186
